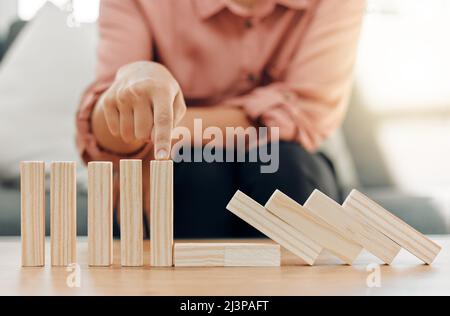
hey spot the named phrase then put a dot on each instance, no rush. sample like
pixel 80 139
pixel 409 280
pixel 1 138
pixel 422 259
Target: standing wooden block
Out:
pixel 226 255
pixel 63 213
pixel 100 213
pixel 313 226
pixel 287 236
pixel 161 213
pixel 131 234
pixel 352 227
pixel 32 202
pixel 407 237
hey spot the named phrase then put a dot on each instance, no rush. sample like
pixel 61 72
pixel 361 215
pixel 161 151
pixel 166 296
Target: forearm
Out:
pixel 219 117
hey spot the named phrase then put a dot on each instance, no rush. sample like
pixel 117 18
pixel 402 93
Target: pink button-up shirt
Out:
pixel 286 63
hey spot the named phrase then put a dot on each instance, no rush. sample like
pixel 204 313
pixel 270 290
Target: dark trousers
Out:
pixel 202 190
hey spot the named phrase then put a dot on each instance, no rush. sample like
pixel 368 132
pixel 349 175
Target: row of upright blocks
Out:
pixel 63 207
pixel 305 230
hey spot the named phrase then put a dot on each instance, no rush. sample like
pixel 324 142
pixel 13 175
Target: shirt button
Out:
pixel 248 24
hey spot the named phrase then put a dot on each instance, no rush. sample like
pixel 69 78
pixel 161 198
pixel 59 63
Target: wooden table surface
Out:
pixel 407 276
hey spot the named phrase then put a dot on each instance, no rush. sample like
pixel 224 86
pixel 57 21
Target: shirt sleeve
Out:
pixel 313 94
pixel 124 37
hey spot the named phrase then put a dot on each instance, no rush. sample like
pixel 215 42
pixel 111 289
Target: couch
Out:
pixel 352 152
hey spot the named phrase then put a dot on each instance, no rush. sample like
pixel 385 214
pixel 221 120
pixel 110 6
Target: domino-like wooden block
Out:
pixel 313 226
pixel 100 213
pixel 226 255
pixel 352 227
pixel 63 213
pixel 32 202
pixel 407 237
pixel 131 212
pixel 161 213
pixel 287 236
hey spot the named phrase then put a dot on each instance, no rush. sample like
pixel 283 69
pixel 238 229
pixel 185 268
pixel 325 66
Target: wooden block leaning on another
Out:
pixel 226 255
pixel 287 236
pixel 352 227
pixel 313 226
pixel 407 237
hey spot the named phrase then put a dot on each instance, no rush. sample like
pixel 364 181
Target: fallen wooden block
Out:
pixel 32 214
pixel 352 227
pixel 287 236
pixel 100 213
pixel 407 237
pixel 161 213
pixel 313 226
pixel 63 213
pixel 226 255
pixel 131 212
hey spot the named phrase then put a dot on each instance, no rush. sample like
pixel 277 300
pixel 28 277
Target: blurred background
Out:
pixel 394 145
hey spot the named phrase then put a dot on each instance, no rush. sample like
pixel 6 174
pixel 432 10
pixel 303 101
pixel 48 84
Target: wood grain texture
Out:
pixel 63 213
pixel 287 236
pixel 131 212
pixel 32 201
pixel 405 278
pixel 352 227
pixel 407 237
pixel 313 226
pixel 161 213
pixel 226 255
pixel 100 213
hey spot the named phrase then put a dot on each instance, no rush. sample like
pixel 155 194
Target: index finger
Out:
pixel 163 125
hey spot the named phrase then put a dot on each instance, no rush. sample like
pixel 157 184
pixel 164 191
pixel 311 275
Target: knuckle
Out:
pixel 161 89
pixel 163 119
pixel 162 137
pixel 109 101
pixel 166 89
pixel 109 106
pixel 140 89
pixel 160 69
pixel 124 97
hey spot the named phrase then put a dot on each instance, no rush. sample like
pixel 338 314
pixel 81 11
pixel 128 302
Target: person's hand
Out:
pixel 144 104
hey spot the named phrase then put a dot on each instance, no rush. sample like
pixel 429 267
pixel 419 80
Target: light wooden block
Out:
pixel 131 212
pixel 226 255
pixel 287 236
pixel 32 202
pixel 313 226
pixel 63 213
pixel 407 237
pixel 161 213
pixel 100 213
pixel 352 227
